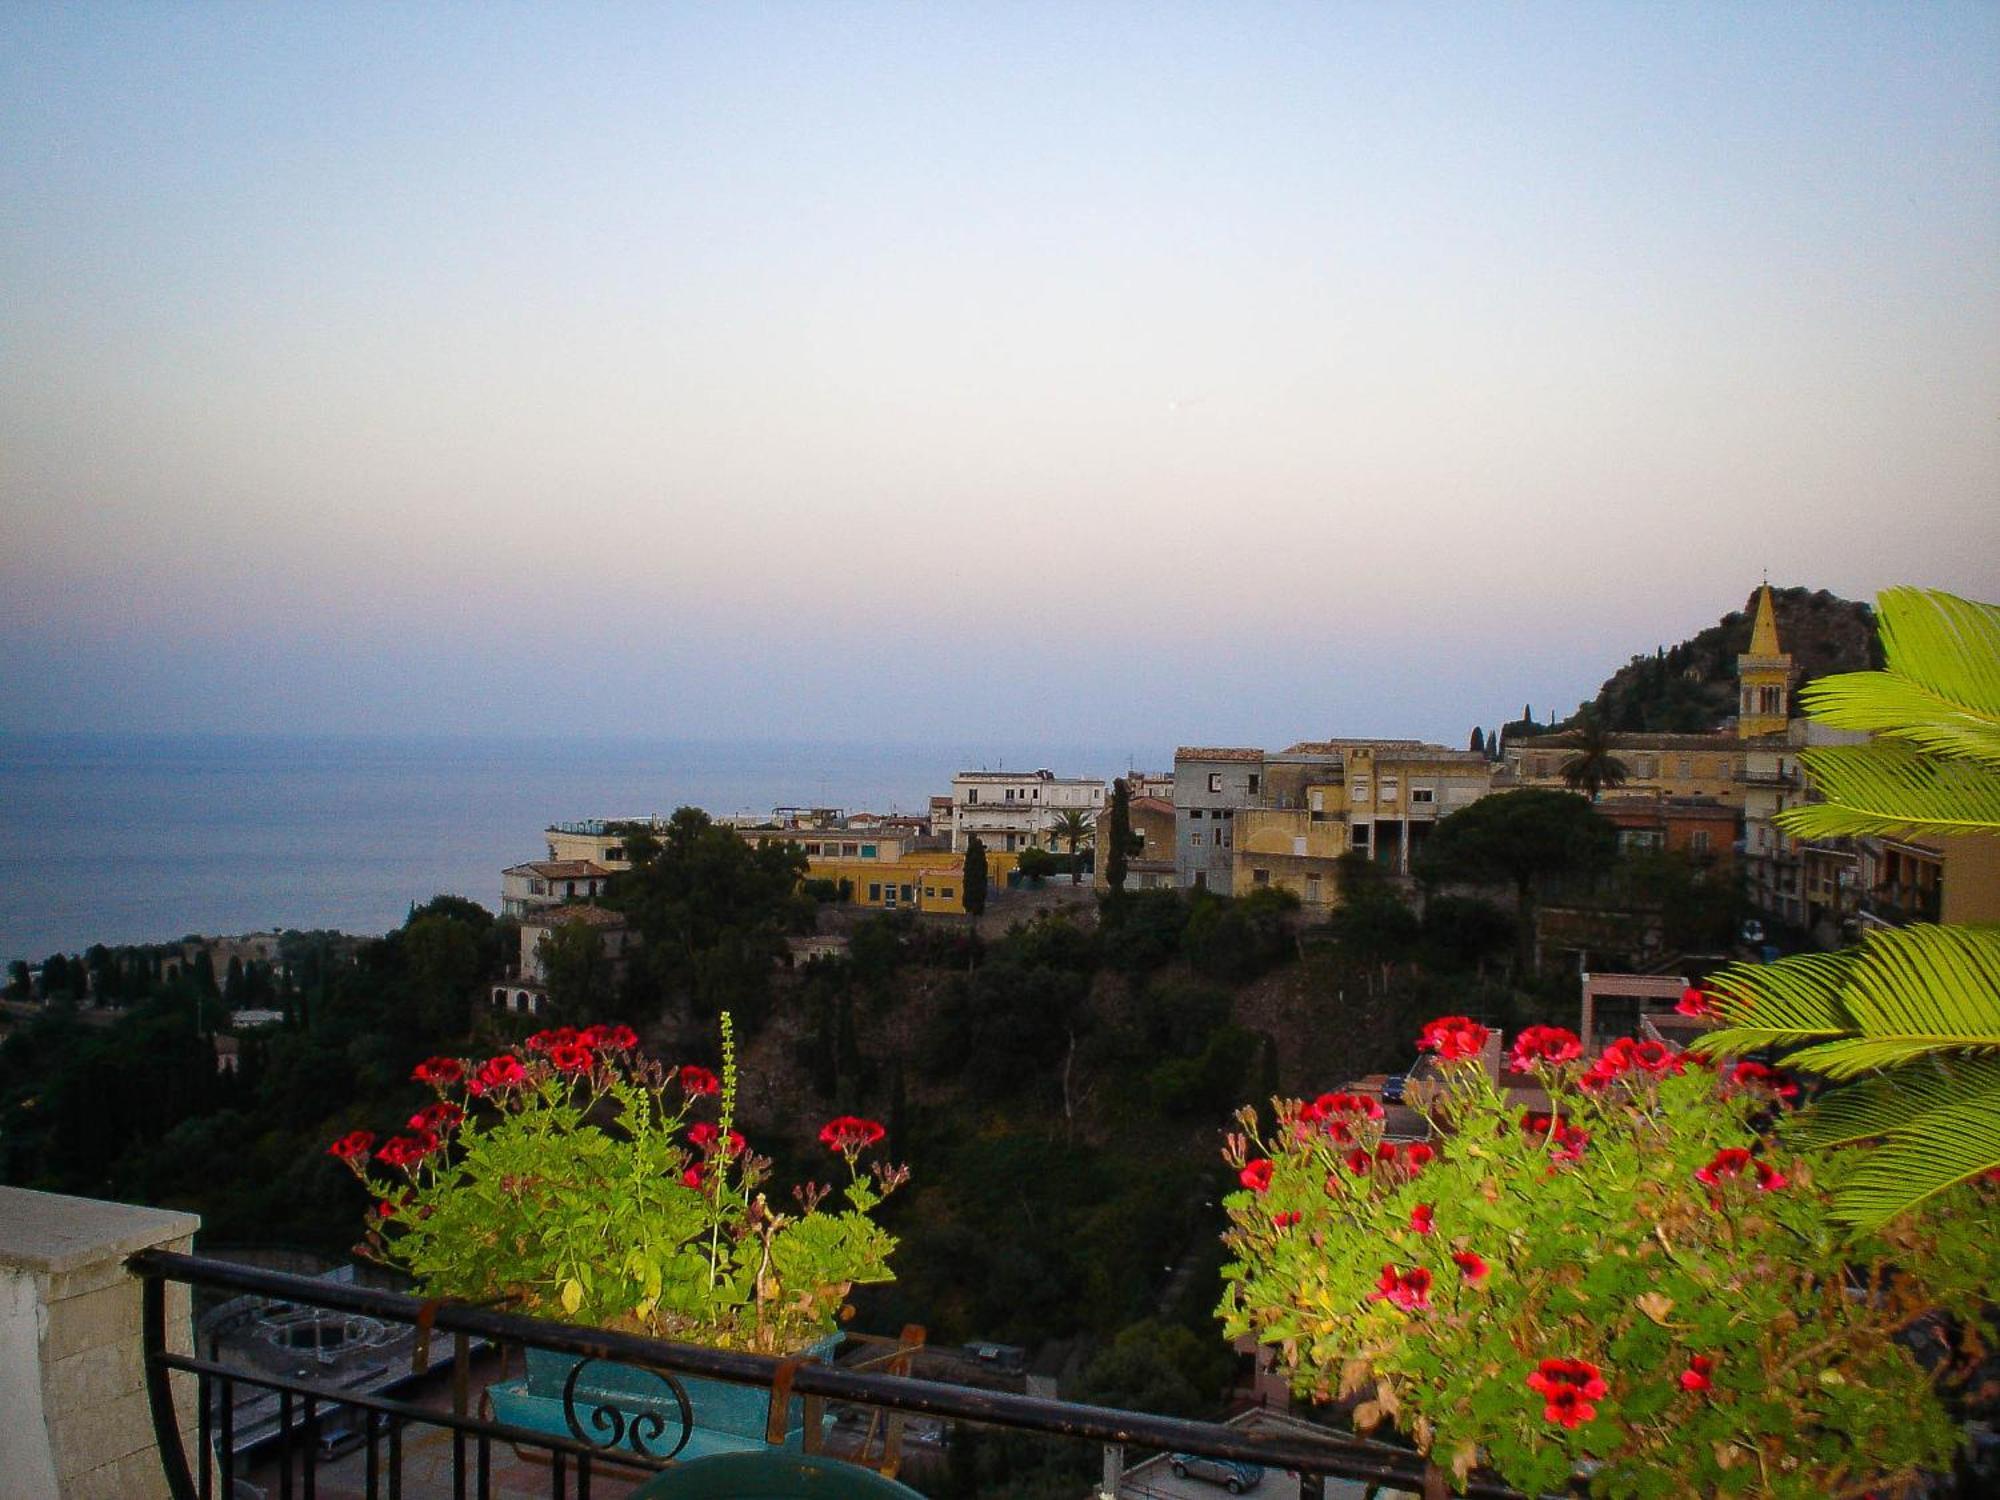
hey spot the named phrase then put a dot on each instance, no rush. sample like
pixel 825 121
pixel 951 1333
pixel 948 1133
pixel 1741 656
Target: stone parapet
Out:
pixel 72 1367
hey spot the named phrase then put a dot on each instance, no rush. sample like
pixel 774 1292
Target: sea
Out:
pixel 148 838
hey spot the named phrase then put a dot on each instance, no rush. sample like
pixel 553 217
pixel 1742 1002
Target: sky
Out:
pixel 1110 374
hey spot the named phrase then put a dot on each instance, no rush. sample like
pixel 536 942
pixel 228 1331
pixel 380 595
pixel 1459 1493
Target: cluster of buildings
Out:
pixel 1238 819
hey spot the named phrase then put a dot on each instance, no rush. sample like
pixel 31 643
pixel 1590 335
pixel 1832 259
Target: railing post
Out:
pixel 1114 1471
pixel 86 1412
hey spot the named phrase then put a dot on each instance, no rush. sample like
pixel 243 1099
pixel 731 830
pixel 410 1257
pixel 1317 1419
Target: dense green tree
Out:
pixel 973 878
pixel 712 911
pixel 446 965
pixel 1373 923
pixel 1463 932
pixel 19 985
pixel 1144 931
pixel 1036 864
pixel 1523 839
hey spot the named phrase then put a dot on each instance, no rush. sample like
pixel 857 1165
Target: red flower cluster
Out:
pixel 709 1139
pixel 609 1038
pixel 502 1072
pixel 438 1071
pixel 1409 1290
pixel 1472 1266
pixel 354 1146
pixel 407 1150
pixel 1566 1139
pixel 1423 1218
pixel 698 1080
pixel 1453 1037
pixel 571 1057
pixel 1545 1046
pixel 849 1133
pixel 1567 1388
pixel 1749 1074
pixel 1694 1002
pixel 1730 1163
pixel 1411 1158
pixel 1255 1175
pixel 1286 1220
pixel 1696 1376
pixel 433 1118
pixel 1627 1056
pixel 1328 1108
pixel 692 1177
pixel 558 1036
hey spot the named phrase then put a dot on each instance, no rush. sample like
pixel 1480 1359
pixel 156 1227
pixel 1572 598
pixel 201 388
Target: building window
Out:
pixel 1227 812
pixel 1312 889
pixel 1260 877
pixel 538 887
pixel 1359 835
pixel 868 851
pixel 946 892
pixel 875 892
pixel 1388 789
pixel 1698 841
pixel 1195 813
pixel 1361 791
pixel 1194 839
pixel 971 795
pixel 616 851
pixel 1215 781
pixel 909 894
pixel 1255 779
pixel 1201 880
pixel 1299 845
pixel 1423 794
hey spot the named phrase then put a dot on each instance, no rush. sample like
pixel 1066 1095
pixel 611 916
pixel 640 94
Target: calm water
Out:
pixel 142 839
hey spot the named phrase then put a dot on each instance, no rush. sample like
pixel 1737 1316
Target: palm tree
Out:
pixel 1072 825
pixel 1913 1017
pixel 1594 766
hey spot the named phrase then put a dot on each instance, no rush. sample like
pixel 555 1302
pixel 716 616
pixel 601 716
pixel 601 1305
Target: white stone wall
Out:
pixel 77 1421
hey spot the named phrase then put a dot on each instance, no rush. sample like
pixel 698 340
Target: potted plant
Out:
pixel 1639 1283
pixel 582 1181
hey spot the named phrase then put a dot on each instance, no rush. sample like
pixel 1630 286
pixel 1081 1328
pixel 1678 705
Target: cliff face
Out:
pixel 1691 687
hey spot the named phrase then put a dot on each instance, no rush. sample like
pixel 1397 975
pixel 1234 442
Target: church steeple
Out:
pixel 1764 676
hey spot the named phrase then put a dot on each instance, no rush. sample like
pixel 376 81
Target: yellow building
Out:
pixel 921 880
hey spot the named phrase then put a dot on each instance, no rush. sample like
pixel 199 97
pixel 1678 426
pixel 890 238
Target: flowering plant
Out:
pixel 570 1175
pixel 1637 1279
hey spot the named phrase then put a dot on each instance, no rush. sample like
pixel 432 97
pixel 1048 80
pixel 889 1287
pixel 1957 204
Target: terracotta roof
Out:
pixel 1152 804
pixel 562 916
pixel 1197 752
pixel 562 869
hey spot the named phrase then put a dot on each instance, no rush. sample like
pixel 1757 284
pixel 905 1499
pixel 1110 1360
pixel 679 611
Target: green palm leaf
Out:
pixel 1893 788
pixel 1934 1151
pixel 1940 691
pixel 1879 1106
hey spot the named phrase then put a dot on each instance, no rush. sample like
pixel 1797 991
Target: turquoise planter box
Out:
pixel 615 1403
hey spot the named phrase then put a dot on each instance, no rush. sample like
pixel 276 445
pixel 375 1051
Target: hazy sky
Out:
pixel 1123 374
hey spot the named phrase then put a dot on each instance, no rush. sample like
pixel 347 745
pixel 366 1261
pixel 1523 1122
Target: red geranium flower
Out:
pixel 1546 1046
pixel 1567 1388
pixel 1471 1266
pixel 438 1071
pixel 1422 1218
pixel 691 1177
pixel 698 1080
pixel 1727 1163
pixel 353 1146
pixel 1256 1176
pixel 1751 1074
pixel 571 1057
pixel 502 1072
pixel 1696 1376
pixel 436 1117
pixel 560 1036
pixel 1359 1161
pixel 1410 1290
pixel 1694 1002
pixel 610 1038
pixel 1770 1179
pixel 1286 1220
pixel 1656 1057
pixel 1453 1037
pixel 407 1150
pixel 1417 1154
pixel 850 1133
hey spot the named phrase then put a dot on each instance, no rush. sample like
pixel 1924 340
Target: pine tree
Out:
pixel 1121 836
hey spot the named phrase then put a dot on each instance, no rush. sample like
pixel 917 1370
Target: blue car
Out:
pixel 1232 1475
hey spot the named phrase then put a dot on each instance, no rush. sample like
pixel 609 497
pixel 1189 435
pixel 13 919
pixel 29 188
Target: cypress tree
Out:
pixel 1478 745
pixel 975 877
pixel 1121 836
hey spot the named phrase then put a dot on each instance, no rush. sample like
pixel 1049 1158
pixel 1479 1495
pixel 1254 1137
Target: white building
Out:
pixel 550 882
pixel 1013 810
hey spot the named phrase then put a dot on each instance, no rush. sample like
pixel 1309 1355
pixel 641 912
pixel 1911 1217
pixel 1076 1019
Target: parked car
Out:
pixel 1232 1475
pixel 1392 1088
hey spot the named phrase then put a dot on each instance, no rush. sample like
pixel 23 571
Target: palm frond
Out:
pixel 1893 788
pixel 1928 1154
pixel 1941 688
pixel 1878 1106
pixel 1906 992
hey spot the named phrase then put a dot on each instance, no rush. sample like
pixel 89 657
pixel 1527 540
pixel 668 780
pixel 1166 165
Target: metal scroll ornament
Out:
pixel 614 1425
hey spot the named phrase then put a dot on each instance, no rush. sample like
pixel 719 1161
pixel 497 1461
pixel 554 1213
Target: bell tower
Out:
pixel 1764 676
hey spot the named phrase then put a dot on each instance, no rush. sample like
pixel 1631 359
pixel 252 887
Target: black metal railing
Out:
pixel 605 1439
